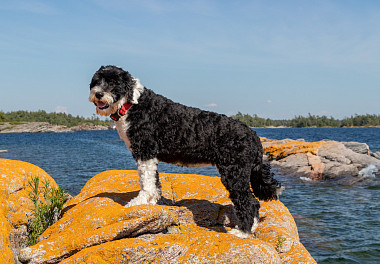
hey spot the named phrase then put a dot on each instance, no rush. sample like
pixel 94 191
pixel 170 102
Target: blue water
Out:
pixel 336 223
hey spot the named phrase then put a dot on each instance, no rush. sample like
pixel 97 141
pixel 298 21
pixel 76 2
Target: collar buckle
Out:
pixel 121 112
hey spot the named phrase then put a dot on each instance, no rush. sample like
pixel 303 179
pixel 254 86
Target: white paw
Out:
pixel 237 232
pixel 136 201
pixel 144 198
pixel 255 225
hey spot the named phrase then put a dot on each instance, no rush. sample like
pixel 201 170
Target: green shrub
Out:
pixel 46 211
pixel 52 118
pixel 2 117
pixel 279 243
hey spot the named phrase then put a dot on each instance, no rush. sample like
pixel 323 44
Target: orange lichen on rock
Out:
pixel 200 247
pixel 93 222
pixel 279 149
pixel 14 177
pixel 276 224
pixel 120 185
pixel 6 255
pixel 188 226
pixel 15 205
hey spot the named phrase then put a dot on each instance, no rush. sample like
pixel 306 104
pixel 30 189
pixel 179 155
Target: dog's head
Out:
pixel 111 87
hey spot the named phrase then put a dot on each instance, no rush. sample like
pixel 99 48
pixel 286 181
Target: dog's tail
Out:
pixel 264 186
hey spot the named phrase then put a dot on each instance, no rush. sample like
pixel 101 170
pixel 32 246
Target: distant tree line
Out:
pixel 52 118
pixel 252 121
pixel 311 121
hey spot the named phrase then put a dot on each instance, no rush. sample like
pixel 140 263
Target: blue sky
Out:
pixel 276 59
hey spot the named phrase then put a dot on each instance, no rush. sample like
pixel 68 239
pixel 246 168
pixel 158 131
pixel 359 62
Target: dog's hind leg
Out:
pixel 150 191
pixel 246 206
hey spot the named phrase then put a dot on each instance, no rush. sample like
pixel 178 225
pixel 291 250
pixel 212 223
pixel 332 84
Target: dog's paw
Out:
pixel 237 232
pixel 143 198
pixel 135 201
pixel 255 225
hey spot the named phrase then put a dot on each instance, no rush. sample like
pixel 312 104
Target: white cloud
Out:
pixel 61 109
pixel 211 105
pixel 269 101
pixel 324 113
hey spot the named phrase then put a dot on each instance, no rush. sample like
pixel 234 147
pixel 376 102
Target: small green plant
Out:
pixel 46 211
pixel 279 243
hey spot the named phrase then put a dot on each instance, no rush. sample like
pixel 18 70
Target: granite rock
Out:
pixel 15 205
pixel 188 225
pixel 322 160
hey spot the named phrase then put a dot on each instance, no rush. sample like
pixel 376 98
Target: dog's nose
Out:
pixel 99 95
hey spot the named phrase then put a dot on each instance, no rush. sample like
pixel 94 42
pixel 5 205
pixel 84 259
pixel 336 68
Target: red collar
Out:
pixel 121 112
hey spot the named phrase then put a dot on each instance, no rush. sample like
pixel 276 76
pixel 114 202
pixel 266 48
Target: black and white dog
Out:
pixel 155 129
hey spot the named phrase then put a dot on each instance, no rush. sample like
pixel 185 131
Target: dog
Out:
pixel 155 129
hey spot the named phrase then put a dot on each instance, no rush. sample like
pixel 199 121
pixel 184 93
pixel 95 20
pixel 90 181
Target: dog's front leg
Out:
pixel 150 191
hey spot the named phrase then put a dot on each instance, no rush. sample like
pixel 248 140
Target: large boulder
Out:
pixel 322 160
pixel 16 209
pixel 361 148
pixel 187 226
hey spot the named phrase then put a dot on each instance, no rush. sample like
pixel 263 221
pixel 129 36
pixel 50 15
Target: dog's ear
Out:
pixel 129 84
pixel 96 76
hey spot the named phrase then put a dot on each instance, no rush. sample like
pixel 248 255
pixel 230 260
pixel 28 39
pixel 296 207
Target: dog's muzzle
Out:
pixel 101 105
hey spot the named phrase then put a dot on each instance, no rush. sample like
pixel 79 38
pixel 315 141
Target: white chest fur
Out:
pixel 122 127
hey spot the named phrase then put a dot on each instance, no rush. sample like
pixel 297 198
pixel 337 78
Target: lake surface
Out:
pixel 336 223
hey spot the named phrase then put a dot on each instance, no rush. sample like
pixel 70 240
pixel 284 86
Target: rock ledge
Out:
pixel 187 226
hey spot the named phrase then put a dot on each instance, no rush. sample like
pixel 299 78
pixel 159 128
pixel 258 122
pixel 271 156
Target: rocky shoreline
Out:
pixel 195 211
pixel 345 162
pixel 45 127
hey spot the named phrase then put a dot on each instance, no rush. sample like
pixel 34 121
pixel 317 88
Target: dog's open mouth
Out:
pixel 101 105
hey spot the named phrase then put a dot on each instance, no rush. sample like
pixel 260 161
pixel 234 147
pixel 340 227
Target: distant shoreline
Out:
pixel 367 120
pixel 45 127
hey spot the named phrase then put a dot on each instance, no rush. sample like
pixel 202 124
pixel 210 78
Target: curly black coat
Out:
pixel 177 134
